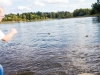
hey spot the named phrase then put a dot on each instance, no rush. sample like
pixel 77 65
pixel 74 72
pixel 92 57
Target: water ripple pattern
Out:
pixel 52 47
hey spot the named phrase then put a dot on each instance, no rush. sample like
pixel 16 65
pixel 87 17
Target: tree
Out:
pixel 81 12
pixel 37 16
pixel 96 7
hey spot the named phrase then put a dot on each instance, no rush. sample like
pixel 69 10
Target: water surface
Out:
pixel 53 47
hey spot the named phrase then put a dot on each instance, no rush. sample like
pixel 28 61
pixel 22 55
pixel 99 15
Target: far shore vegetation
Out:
pixel 34 16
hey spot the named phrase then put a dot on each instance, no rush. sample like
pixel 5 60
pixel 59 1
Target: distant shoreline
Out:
pixel 6 22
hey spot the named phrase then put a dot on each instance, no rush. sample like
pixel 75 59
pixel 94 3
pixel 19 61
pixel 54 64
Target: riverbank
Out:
pixel 6 22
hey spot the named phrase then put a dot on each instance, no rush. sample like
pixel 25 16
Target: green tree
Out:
pixel 95 8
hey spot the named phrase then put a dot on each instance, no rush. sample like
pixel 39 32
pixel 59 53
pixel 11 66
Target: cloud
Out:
pixel 79 0
pixel 38 3
pixel 22 0
pixel 44 2
pixel 54 1
pixel 20 9
pixel 75 6
pixel 68 6
pixel 6 2
pixel 24 8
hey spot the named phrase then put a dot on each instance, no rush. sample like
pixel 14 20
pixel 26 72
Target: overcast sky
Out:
pixel 20 6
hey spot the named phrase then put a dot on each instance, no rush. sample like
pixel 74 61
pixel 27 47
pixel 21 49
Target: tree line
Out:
pixel 95 8
pixel 37 16
pixel 31 16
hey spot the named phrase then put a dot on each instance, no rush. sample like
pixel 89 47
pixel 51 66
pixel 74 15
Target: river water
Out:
pixel 52 47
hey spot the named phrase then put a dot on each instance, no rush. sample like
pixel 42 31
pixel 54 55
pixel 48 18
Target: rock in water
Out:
pixel 86 36
pixel 48 33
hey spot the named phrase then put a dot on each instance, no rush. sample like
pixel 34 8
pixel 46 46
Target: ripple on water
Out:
pixel 56 47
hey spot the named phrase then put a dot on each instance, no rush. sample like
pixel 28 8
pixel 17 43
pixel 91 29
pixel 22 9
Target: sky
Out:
pixel 21 6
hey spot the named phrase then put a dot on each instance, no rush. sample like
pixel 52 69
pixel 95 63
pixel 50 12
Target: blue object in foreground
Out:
pixel 1 70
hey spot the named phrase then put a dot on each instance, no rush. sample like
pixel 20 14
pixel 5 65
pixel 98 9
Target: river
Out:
pixel 52 47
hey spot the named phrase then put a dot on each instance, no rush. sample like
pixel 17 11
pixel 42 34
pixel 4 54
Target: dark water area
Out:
pixel 54 47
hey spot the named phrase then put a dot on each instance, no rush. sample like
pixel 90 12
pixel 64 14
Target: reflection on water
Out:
pixel 54 47
pixel 96 19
